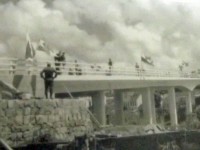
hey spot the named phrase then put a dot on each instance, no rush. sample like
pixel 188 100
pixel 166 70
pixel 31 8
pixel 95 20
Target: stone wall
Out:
pixel 24 121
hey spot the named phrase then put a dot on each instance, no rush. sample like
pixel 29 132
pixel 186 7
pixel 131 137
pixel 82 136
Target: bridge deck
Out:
pixel 77 77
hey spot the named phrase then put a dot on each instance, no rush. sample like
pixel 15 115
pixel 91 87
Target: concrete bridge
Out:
pixel 96 86
pixel 94 80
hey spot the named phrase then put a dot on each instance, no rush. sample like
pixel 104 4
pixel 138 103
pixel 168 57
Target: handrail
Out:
pixel 73 68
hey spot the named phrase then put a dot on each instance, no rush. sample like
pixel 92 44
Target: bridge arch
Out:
pixel 182 88
pixel 197 86
pixel 190 84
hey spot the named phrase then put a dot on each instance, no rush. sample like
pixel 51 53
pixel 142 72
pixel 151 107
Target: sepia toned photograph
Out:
pixel 99 75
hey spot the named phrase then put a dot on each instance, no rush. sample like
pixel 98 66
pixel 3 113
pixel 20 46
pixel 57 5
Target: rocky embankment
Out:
pixel 25 121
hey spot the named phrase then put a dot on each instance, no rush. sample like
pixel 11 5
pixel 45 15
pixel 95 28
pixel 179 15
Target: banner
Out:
pixel 184 63
pixel 147 60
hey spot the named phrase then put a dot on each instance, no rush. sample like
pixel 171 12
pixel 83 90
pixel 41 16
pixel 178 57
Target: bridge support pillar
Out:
pixel 148 104
pixel 195 92
pixel 119 111
pixel 172 106
pixel 98 104
pixel 189 101
pixel 153 106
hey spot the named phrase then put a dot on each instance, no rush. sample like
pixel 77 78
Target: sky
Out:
pixel 95 30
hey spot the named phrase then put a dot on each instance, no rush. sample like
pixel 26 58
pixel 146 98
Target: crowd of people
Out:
pixel 48 73
pixel 60 62
pixel 76 69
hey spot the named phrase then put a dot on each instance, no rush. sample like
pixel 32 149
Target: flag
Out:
pixel 30 52
pixel 42 46
pixel 147 60
pixel 184 63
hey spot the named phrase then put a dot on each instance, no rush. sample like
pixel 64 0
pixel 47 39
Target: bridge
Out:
pixel 93 80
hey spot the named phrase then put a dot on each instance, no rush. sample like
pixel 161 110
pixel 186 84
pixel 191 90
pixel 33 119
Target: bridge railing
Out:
pixel 73 68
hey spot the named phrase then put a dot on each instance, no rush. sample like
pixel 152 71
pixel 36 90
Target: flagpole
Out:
pixel 141 70
pixel 141 63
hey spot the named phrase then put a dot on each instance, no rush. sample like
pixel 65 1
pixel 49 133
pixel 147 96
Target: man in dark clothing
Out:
pixel 48 74
pixel 57 59
pixel 62 59
pixel 77 68
pixel 110 65
pixel 137 67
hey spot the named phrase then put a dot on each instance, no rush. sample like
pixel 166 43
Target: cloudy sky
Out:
pixel 96 30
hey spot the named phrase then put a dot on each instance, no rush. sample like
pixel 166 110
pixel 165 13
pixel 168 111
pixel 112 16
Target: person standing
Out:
pixel 63 59
pixel 137 67
pixel 48 74
pixel 57 59
pixel 77 68
pixel 110 63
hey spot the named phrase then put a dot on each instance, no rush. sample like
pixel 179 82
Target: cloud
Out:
pixel 2 48
pixel 94 31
